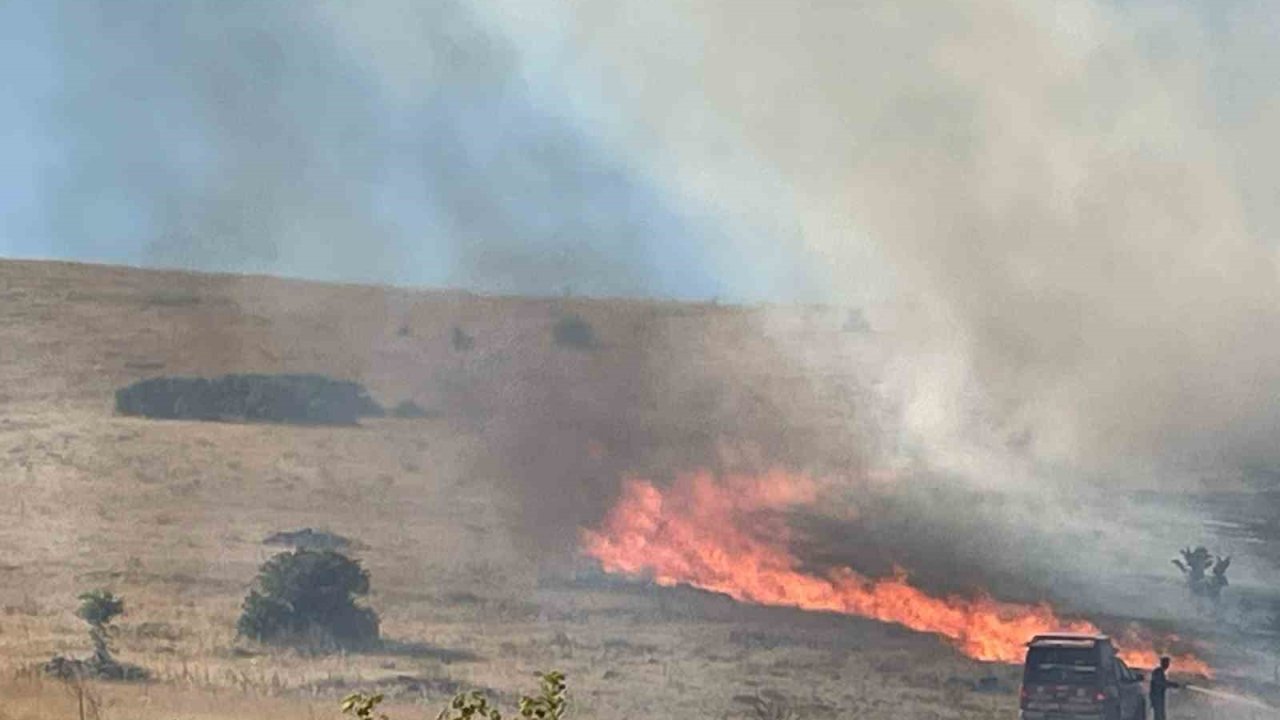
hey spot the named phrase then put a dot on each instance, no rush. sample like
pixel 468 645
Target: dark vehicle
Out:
pixel 1071 676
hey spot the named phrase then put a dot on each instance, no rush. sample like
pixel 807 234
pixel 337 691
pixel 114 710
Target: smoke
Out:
pixel 411 143
pixel 396 142
pixel 1058 215
pixel 1045 201
pixel 1061 213
pixel 657 392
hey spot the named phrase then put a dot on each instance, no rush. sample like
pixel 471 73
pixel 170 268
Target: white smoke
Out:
pixel 1056 213
pixel 1048 201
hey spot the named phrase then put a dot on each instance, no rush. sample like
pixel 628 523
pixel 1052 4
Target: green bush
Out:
pixel 99 608
pixel 307 598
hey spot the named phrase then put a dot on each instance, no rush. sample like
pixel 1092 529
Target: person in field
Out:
pixel 1159 683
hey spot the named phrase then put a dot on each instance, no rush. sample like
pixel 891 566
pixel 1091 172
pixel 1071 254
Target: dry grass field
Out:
pixel 466 517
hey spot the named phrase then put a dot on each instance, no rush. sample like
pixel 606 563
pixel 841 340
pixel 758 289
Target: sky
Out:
pixel 1064 212
pixel 410 144
pixel 511 148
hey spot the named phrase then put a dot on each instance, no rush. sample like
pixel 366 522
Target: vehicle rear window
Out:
pixel 1061 665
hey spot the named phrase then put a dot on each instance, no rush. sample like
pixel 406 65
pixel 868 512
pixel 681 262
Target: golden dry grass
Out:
pixel 171 515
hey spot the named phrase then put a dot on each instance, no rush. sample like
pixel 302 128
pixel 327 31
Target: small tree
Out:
pixel 307 597
pixel 99 608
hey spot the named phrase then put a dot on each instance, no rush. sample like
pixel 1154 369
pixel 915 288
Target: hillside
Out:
pixel 469 517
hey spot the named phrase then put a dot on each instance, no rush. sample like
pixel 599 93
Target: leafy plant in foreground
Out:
pixel 551 703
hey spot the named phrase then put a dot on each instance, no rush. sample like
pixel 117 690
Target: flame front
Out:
pixel 723 534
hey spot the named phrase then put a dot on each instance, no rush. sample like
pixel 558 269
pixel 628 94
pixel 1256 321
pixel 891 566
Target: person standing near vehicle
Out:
pixel 1159 683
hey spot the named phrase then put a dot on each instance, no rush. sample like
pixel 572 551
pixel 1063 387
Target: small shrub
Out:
pixel 462 342
pixel 1196 566
pixel 98 608
pixel 306 598
pixel 465 706
pixel 574 332
pixel 551 703
pixel 306 399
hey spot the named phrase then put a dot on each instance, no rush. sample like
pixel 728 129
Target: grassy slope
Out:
pixel 171 514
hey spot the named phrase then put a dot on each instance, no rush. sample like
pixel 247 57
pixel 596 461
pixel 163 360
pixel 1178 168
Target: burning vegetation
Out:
pixel 728 534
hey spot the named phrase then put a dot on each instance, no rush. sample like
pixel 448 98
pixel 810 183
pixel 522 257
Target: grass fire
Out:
pixel 634 360
pixel 728 534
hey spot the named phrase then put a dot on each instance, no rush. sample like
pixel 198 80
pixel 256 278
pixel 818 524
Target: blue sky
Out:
pixel 235 136
pixel 28 73
pixel 621 148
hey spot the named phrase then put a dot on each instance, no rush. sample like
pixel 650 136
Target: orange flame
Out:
pixel 718 534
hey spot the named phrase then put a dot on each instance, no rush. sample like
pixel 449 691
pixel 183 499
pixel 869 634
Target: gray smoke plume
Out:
pixel 288 138
pixel 1059 214
pixel 401 142
pixel 1049 200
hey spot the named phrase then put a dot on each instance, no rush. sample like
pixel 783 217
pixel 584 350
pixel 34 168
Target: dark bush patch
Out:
pixel 461 340
pixel 574 332
pixel 855 321
pixel 306 598
pixel 302 399
pixel 99 608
